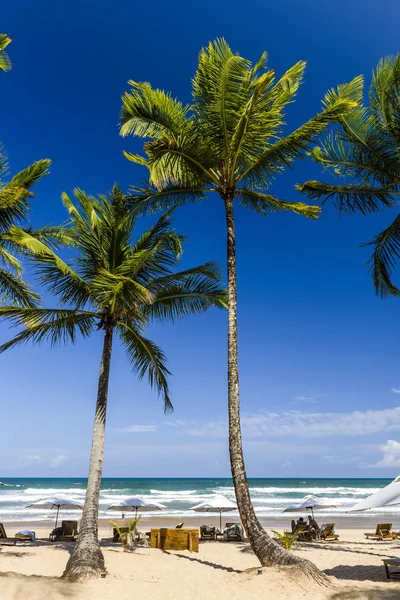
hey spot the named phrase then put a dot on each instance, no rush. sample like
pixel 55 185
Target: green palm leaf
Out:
pixel 5 63
pixel 365 155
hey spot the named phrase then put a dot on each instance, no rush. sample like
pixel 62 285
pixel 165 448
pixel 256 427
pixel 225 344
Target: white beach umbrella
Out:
pixel 387 496
pixel 56 502
pixel 310 503
pixel 219 504
pixel 135 503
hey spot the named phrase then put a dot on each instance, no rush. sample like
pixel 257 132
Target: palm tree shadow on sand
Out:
pixel 362 573
pixel 37 585
pixel 371 594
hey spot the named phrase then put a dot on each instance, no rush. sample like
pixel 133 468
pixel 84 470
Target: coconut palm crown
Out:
pixel 364 156
pixel 115 280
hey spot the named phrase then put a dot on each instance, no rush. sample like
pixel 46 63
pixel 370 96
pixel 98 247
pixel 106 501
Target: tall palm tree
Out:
pixel 228 142
pixel 364 154
pixel 5 63
pixel 119 285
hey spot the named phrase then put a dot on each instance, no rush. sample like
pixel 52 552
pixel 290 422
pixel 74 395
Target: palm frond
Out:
pixel 42 324
pixel 146 358
pixel 55 273
pixel 15 291
pixel 5 63
pixel 265 203
pixel 152 113
pixel 31 175
pixel 283 152
pixel 187 293
pixel 349 198
pixel 385 257
pixel 149 199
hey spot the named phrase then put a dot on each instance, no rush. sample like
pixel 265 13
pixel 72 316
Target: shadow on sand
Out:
pixel 204 562
pixel 36 587
pixel 371 594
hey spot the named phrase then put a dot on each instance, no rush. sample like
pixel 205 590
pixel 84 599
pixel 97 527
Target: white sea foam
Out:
pixel 269 500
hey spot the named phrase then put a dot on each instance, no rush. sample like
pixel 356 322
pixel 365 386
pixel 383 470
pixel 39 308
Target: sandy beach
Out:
pixel 224 570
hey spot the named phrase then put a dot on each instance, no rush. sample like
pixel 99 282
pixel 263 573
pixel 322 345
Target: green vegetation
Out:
pixel 229 143
pixel 126 533
pixel 14 207
pixel 287 538
pixel 365 154
pixel 5 63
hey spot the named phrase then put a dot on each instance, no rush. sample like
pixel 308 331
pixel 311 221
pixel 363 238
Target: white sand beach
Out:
pixel 225 570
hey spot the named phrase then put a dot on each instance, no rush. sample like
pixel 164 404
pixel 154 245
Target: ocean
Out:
pixel 270 496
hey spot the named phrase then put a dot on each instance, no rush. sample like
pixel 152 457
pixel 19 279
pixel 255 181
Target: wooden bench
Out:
pixel 175 539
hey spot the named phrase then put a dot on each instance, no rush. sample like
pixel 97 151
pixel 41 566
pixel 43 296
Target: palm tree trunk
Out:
pixel 87 559
pixel 267 550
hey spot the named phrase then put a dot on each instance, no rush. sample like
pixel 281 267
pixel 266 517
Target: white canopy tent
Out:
pixel 387 496
pixel 219 505
pixel 310 503
pixel 135 503
pixel 56 502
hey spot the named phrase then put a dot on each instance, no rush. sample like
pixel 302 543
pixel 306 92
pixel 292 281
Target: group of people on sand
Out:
pixel 311 526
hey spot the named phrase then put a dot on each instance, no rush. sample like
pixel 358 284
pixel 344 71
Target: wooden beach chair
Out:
pixel 327 533
pixel 116 534
pixel 208 532
pixel 383 532
pixel 393 562
pixel 66 533
pixel 233 532
pixel 4 540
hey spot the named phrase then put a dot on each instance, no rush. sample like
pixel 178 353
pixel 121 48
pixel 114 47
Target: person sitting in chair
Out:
pixel 313 527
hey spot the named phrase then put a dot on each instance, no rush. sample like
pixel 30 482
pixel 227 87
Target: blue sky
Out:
pixel 319 356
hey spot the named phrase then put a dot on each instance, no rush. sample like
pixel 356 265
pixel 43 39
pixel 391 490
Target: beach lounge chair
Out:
pixel 327 533
pixel 394 562
pixel 208 532
pixel 116 534
pixel 383 532
pixel 233 532
pixel 66 533
pixel 6 541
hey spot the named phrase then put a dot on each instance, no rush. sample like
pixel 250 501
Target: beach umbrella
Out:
pixel 56 502
pixel 135 503
pixel 310 503
pixel 387 496
pixel 219 504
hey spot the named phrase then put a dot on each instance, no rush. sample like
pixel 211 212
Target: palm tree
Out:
pixel 228 142
pixel 5 63
pixel 365 155
pixel 118 285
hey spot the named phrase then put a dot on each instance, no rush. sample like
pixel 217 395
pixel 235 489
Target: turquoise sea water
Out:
pixel 270 496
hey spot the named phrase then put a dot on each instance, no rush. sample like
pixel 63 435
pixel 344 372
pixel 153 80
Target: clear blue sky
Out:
pixel 319 353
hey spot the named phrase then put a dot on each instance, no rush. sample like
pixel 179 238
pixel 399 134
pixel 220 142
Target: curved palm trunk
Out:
pixel 267 550
pixel 87 558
